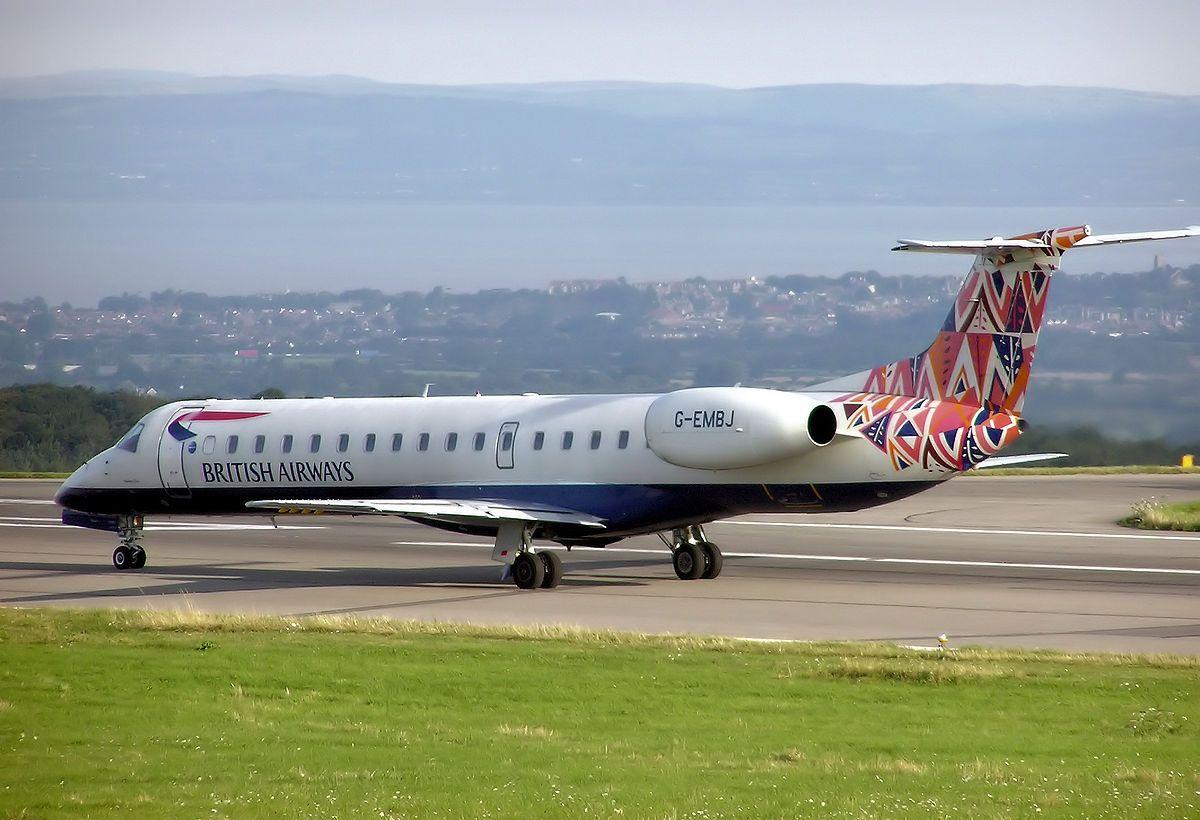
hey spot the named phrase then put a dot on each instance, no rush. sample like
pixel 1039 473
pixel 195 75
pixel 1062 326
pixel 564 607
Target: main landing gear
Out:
pixel 528 569
pixel 692 554
pixel 130 554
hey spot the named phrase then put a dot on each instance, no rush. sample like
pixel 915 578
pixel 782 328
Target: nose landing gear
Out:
pixel 692 554
pixel 130 554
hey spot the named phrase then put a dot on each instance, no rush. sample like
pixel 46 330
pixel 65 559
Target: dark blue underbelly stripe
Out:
pixel 625 508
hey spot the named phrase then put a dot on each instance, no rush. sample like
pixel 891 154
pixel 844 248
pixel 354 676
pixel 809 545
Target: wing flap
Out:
pixel 465 512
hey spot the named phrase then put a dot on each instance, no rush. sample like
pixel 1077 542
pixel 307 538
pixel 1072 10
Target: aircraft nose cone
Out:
pixel 68 491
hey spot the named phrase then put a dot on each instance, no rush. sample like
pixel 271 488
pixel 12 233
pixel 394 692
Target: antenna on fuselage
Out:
pixel 425 392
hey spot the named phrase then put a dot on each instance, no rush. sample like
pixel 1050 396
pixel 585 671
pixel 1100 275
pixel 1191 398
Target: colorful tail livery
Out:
pixel 959 401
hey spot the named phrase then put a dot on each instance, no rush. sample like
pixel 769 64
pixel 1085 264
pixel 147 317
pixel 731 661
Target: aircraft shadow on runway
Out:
pixel 195 579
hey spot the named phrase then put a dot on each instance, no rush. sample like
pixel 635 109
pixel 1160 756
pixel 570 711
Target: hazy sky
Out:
pixel 1148 45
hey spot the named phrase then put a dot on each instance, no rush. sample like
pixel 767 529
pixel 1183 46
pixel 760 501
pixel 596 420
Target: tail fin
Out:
pixel 984 352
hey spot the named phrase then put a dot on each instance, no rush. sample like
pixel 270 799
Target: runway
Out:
pixel 1029 561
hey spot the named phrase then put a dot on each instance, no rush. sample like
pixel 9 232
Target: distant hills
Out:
pixel 164 136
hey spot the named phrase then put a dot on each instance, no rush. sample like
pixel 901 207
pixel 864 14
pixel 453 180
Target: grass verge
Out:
pixel 1154 515
pixel 1129 469
pixel 31 474
pixel 143 714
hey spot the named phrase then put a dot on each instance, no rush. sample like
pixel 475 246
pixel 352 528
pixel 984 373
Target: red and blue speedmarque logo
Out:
pixel 181 433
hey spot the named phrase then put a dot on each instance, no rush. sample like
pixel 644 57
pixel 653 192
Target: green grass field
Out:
pixel 161 715
pixel 1153 515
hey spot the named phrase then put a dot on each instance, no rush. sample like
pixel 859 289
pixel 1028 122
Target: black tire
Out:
pixel 122 557
pixel 713 560
pixel 528 571
pixel 688 560
pixel 138 559
pixel 553 566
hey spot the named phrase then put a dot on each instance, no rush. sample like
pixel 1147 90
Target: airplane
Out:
pixel 590 470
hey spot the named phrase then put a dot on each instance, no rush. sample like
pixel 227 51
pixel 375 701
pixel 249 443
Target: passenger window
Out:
pixel 397 439
pixel 423 442
pixel 595 442
pixel 451 442
pixel 369 443
pixel 231 445
pixel 622 439
pixel 539 439
pixel 314 443
pixel 506 441
pixel 210 445
pixel 343 442
pixel 480 440
pixel 260 443
pixel 285 444
pixel 568 440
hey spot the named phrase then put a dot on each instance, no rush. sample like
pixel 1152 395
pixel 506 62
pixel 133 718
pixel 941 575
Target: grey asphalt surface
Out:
pixel 1029 561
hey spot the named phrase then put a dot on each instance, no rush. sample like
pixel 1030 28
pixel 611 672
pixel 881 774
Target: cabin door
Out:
pixel 506 442
pixel 174 446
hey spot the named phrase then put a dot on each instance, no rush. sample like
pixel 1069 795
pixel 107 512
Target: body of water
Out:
pixel 78 252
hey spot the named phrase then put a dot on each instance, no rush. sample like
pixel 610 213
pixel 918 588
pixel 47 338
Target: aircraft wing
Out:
pixel 459 512
pixel 1009 461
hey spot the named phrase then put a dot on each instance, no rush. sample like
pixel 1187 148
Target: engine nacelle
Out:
pixel 722 428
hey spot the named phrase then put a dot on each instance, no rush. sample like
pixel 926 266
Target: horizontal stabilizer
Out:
pixel 1050 241
pixel 970 246
pixel 1144 236
pixel 1010 461
pixel 460 512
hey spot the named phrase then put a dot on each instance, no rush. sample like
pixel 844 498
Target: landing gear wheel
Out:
pixel 713 560
pixel 528 571
pixel 553 567
pixel 688 560
pixel 138 559
pixel 122 557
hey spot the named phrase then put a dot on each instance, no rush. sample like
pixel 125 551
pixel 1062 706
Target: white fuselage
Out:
pixel 587 453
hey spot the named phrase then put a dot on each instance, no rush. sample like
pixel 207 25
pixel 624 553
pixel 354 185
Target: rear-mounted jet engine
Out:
pixel 723 428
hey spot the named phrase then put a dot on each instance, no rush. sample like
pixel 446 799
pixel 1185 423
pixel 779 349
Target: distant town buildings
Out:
pixel 125 338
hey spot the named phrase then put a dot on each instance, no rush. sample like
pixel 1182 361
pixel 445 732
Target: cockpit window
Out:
pixel 130 440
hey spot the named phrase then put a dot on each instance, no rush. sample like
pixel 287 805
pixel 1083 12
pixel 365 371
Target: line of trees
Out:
pixel 45 427
pixel 1087 446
